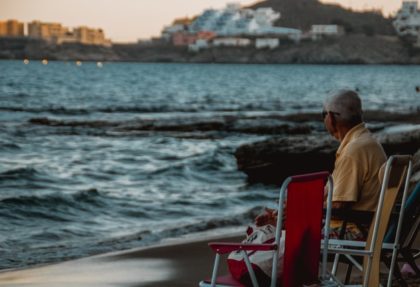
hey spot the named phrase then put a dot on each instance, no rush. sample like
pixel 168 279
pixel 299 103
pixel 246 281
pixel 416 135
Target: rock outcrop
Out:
pixel 350 49
pixel 271 161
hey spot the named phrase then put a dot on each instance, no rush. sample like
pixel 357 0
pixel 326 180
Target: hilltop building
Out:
pixel 407 21
pixel 58 34
pixel 231 26
pixel 321 31
pixel 11 28
pixel 235 21
pixel 178 26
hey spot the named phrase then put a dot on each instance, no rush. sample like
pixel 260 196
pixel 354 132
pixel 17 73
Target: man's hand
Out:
pixel 341 204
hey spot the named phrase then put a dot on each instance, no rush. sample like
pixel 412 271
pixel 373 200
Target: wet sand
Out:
pixel 172 264
pixel 179 263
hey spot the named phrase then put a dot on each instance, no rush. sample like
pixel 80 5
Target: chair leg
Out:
pixel 397 272
pixel 348 273
pixel 410 260
pixel 398 276
pixel 335 264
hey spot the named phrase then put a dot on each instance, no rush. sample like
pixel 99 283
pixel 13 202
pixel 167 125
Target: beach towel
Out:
pixel 261 261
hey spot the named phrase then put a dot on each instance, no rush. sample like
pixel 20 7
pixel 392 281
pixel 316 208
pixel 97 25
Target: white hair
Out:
pixel 347 106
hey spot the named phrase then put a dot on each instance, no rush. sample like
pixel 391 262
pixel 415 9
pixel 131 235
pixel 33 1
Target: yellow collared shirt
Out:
pixel 358 161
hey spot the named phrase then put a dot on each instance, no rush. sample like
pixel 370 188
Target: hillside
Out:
pixel 302 14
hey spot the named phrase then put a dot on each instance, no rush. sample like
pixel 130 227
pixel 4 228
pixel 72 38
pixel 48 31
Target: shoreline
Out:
pixel 182 261
pixel 355 49
pixel 179 262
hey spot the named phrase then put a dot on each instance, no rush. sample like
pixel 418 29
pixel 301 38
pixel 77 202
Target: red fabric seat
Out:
pixel 227 280
pixel 304 213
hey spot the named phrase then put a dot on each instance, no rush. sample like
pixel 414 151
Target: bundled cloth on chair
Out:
pixel 261 261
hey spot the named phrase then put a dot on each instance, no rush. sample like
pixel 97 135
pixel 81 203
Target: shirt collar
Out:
pixel 354 132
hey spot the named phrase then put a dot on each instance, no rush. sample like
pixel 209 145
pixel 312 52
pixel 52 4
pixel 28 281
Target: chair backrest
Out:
pixel 304 213
pixel 396 179
pixel 411 213
pixel 412 225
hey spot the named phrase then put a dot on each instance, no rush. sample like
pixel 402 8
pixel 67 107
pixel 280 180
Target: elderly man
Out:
pixel 358 161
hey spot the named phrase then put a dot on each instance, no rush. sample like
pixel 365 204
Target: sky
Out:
pixel 131 20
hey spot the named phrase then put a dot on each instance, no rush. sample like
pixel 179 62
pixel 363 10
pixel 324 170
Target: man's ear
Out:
pixel 333 121
pixel 334 124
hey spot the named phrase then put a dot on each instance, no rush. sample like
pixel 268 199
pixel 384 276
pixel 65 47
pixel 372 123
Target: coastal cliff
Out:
pixel 301 14
pixel 350 49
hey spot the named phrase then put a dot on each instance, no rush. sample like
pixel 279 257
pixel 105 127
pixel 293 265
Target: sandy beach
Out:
pixel 177 262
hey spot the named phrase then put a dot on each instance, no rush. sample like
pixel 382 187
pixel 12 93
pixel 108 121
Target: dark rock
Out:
pixel 415 175
pixel 271 161
pixel 401 143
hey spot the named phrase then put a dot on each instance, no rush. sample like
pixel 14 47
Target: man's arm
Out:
pixel 342 205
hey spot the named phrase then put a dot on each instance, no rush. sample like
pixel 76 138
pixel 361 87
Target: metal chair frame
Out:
pixel 369 249
pixel 223 248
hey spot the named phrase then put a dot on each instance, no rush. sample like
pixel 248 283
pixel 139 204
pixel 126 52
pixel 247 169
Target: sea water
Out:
pixel 102 159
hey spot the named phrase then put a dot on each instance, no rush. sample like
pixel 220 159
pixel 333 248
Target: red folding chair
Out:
pixel 303 229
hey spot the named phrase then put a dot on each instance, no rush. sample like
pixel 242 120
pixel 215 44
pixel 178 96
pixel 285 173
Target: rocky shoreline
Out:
pixel 294 144
pixel 272 160
pixel 350 49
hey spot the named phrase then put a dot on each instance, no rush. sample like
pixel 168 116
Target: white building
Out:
pixel 170 30
pixel 320 31
pixel 407 21
pixel 231 41
pixel 270 43
pixel 199 44
pixel 236 22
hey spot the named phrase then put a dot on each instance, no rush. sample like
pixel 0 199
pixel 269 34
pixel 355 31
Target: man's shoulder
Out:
pixel 365 143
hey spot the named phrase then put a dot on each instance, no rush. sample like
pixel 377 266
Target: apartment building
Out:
pixel 11 28
pixel 52 32
pixel 407 20
pixel 89 36
pixel 320 31
pixel 58 34
pixel 234 21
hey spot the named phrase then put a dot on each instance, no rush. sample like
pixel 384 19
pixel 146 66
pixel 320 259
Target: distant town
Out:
pixel 232 26
pixel 54 33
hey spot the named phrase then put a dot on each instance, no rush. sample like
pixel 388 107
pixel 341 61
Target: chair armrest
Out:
pixel 223 247
pixel 351 243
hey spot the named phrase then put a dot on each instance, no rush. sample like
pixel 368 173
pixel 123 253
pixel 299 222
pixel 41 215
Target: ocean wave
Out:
pixel 265 124
pixel 19 173
pixel 150 236
pixel 15 95
pixel 90 110
pixel 53 200
pixel 231 124
pixel 8 146
pixel 54 245
pixel 241 219
pixel 147 108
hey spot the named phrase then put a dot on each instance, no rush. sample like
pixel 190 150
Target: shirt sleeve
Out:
pixel 347 179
